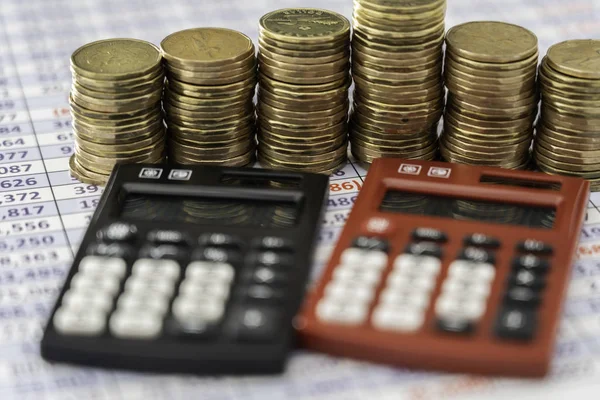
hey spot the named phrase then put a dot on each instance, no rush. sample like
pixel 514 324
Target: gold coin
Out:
pixel 464 87
pixel 491 147
pixel 293 90
pixel 325 68
pixel 418 108
pixel 396 127
pixel 364 17
pixel 503 82
pixel 233 122
pixel 389 94
pixel 566 152
pixel 298 114
pixel 397 14
pixel 555 76
pixel 274 119
pixel 397 76
pixel 574 122
pixel 399 46
pixel 300 139
pixel 301 131
pixel 283 155
pixel 456 154
pixel 326 167
pixel 130 148
pixel 115 59
pixel 361 152
pixel 112 139
pixel 406 137
pixel 483 127
pixel 490 41
pixel 225 114
pixel 151 115
pixel 475 71
pixel 408 7
pixel 210 137
pixel 192 78
pixel 237 161
pixel 374 31
pixel 489 107
pixel 394 58
pixel 219 77
pixel 454 158
pixel 304 25
pixel 133 84
pixel 78 109
pixel 209 92
pixel 206 47
pixel 179 102
pixel 521 66
pixel 557 160
pixel 302 60
pixel 127 130
pixel 116 106
pixel 303 77
pixel 302 52
pixel 392 141
pixel 218 71
pixel 403 65
pixel 295 105
pixel 84 176
pixel 304 147
pixel 216 102
pixel 558 171
pixel 401 114
pixel 340 44
pixel 572 136
pixel 586 109
pixel 289 92
pixel 578 58
pixel 211 149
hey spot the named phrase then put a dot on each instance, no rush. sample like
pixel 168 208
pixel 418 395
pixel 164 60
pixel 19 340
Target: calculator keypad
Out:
pixel 89 299
pixel 350 292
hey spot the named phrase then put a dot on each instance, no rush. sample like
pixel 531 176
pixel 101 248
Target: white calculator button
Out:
pixel 148 268
pixel 347 273
pixel 198 288
pixel 141 286
pixel 430 265
pixel 98 282
pixel 401 281
pixel 208 311
pixel 69 321
pixel 346 291
pixel 342 312
pixel 135 325
pixel 400 319
pixel 143 302
pixel 375 259
pixel 406 262
pixel 87 300
pixel 353 256
pixel 101 265
pixel 410 298
pixel 469 308
pixel 470 271
pixel 466 288
pixel 210 271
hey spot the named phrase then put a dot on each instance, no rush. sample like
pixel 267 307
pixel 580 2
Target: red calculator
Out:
pixel 449 267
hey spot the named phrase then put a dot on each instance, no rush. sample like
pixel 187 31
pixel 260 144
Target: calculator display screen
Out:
pixel 211 211
pixel 396 201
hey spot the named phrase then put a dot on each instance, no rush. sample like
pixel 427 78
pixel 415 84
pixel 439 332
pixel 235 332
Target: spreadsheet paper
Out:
pixel 44 212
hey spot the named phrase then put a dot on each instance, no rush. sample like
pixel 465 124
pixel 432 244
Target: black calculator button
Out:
pixel 220 240
pixel 481 240
pixel 429 234
pixel 118 250
pixel 191 329
pixel 268 276
pixel 164 236
pixel 255 323
pixel 217 254
pixel 522 296
pixel 263 293
pixel 79 321
pixel 271 259
pixel 273 243
pixel 424 249
pixel 532 263
pixel 516 323
pixel 371 243
pixel 135 324
pixel 162 252
pixel 534 246
pixel 118 232
pixel 478 255
pixel 527 278
pixel 455 324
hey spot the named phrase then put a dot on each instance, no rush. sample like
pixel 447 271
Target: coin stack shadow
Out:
pixel 208 99
pixel 304 77
pixel 397 70
pixel 567 140
pixel 490 73
pixel 115 106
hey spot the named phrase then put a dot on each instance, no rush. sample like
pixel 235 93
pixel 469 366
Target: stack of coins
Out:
pixel 304 64
pixel 208 100
pixel 490 74
pixel 567 141
pixel 115 105
pixel 397 70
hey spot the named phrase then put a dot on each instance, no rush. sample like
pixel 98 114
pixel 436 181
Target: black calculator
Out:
pixel 190 269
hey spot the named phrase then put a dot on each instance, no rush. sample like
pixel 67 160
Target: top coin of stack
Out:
pixel 397 71
pixel 115 104
pixel 304 77
pixel 567 141
pixel 490 74
pixel 208 101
